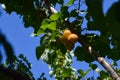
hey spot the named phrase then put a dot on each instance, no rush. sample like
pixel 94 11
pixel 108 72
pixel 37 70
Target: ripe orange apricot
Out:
pixel 73 38
pixel 68 39
pixel 67 33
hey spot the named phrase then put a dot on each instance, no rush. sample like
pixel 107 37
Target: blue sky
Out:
pixel 13 28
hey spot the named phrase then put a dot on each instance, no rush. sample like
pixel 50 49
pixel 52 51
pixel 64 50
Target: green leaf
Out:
pixel 95 15
pixel 101 44
pixel 48 25
pixel 62 48
pixel 83 55
pixel 73 13
pixel 115 52
pixel 113 21
pixel 54 2
pixel 51 56
pixel 55 16
pixel 70 2
pixel 114 63
pixel 21 56
pixel 39 32
pixel 44 56
pixel 104 76
pixel 93 66
pixel 52 26
pixel 48 55
pixel 45 23
pixel 64 11
pixel 39 51
pixel 44 40
pixel 82 73
pixel 66 72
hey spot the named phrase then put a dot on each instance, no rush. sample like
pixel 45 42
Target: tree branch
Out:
pixel 51 9
pixel 100 59
pixel 91 51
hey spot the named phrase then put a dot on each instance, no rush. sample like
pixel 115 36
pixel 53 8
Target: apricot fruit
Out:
pixel 73 38
pixel 67 33
pixel 68 39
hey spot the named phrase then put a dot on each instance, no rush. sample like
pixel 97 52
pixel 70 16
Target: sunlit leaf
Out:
pixel 52 26
pixel 55 16
pixel 70 2
pixel 39 32
pixel 48 25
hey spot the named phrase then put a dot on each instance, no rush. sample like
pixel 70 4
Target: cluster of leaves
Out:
pixel 20 65
pixel 30 10
pixel 108 25
pixel 61 67
pixel 54 53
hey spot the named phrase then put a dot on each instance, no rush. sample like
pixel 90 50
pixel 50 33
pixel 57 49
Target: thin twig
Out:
pixel 79 5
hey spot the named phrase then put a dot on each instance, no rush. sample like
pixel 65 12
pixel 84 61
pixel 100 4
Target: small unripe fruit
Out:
pixel 67 33
pixel 73 38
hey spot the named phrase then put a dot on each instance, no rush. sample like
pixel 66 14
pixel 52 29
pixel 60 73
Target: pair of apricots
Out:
pixel 68 39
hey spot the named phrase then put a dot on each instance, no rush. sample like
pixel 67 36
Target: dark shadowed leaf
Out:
pixel 39 51
pixel 93 66
pixel 113 21
pixel 95 15
pixel 82 54
pixel 102 45
pixel 73 13
pixel 66 72
pixel 64 11
pixel 63 48
pixel 115 52
pixel 83 73
pixel 104 75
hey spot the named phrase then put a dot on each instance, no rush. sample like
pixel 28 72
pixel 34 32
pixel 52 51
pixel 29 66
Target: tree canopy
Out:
pixel 99 39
